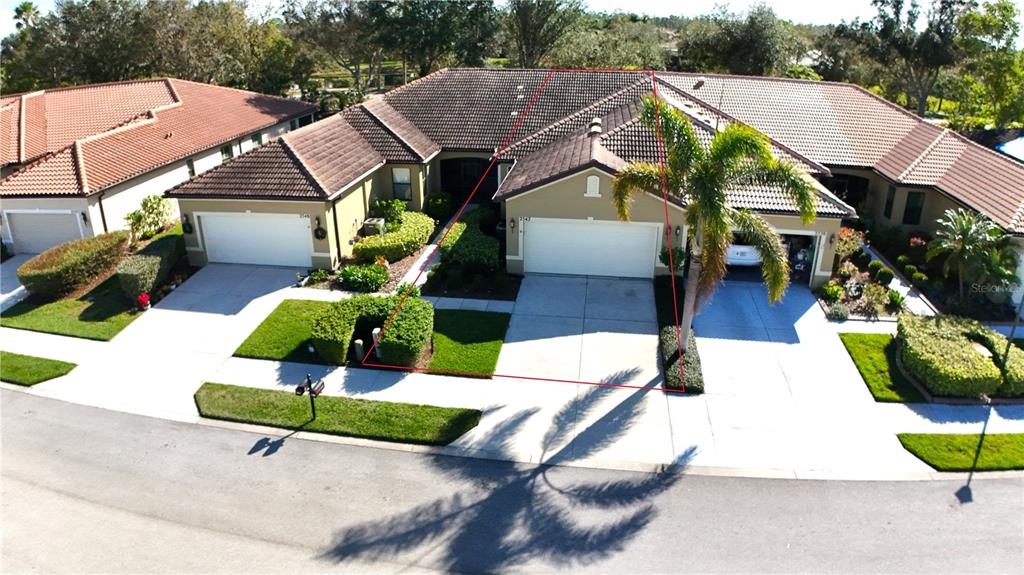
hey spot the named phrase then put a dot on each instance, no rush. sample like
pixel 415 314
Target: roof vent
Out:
pixel 595 127
pixel 168 135
pixel 515 113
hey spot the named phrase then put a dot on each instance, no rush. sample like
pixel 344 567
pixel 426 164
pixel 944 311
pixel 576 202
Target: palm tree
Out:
pixel 25 15
pixel 966 239
pixel 737 156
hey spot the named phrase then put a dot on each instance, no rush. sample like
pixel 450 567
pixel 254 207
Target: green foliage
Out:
pixel 680 373
pixel 676 261
pixel 831 292
pixel 390 210
pixel 439 206
pixel 62 269
pixel 873 299
pixel 319 275
pixel 909 270
pixel 364 278
pixel 612 41
pixel 967 452
pixel 393 246
pixel 802 72
pixel 412 290
pixel 896 301
pixel 838 311
pixel 848 241
pixel 903 261
pixel 400 344
pixel 284 334
pixel 146 270
pixel 874 267
pixel 100 314
pixel 468 341
pixel 919 279
pixel 861 258
pixel 966 239
pixel 468 246
pixel 1012 369
pixel 939 353
pixel 536 28
pixel 755 43
pixel 884 276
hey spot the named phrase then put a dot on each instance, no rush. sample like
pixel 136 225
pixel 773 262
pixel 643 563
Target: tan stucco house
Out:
pixel 302 201
pixel 74 161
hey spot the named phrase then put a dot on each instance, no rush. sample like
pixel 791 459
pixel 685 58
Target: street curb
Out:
pixel 614 465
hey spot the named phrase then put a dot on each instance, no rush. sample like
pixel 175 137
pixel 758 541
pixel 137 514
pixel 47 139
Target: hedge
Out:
pixel 467 244
pixel 146 270
pixel 368 278
pixel 400 344
pixel 1013 370
pixel 439 206
pixel 685 373
pixel 393 246
pixel 939 353
pixel 62 269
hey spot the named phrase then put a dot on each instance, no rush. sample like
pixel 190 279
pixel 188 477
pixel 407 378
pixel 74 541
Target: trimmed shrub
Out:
pixel 884 276
pixel 414 290
pixel 1013 370
pixel 685 372
pixel 390 210
pixel 468 246
pixel 919 279
pixel 903 260
pixel 368 278
pixel 439 206
pixel 831 292
pixel 62 269
pixel 148 269
pixel 939 353
pixel 909 270
pixel 861 258
pixel 874 267
pixel 838 312
pixel 393 246
pixel 400 344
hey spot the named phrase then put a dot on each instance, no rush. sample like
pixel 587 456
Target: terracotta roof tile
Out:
pixel 53 175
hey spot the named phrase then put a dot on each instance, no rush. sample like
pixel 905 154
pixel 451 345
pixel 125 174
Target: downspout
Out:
pixel 337 236
pixel 103 215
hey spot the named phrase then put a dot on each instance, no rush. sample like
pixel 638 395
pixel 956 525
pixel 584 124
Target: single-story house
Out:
pixel 76 160
pixel 302 201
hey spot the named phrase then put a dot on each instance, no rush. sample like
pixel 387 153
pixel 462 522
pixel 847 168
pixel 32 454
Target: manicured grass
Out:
pixel 399 422
pixel 29 370
pixel 100 314
pixel 874 354
pixel 468 341
pixel 949 452
pixel 284 335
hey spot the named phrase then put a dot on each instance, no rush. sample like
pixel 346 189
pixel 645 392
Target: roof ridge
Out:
pixel 391 130
pixel 89 86
pixel 77 155
pixel 171 80
pixel 753 77
pixel 407 84
pixel 924 154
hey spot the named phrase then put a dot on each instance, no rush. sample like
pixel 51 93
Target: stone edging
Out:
pixel 948 400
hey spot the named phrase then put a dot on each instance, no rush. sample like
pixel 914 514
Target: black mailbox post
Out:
pixel 314 390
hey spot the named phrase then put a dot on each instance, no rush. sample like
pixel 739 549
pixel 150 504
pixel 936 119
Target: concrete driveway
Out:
pixel 11 290
pixel 583 329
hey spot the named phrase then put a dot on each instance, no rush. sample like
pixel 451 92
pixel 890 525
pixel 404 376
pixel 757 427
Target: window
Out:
pixel 593 187
pixel 226 153
pixel 401 182
pixel 293 124
pixel 257 140
pixel 889 197
pixel 191 167
pixel 305 120
pixel 912 211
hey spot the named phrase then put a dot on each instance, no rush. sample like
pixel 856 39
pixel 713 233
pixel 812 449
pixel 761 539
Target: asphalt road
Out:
pixel 88 490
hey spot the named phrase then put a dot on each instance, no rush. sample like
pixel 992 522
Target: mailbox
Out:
pixel 300 390
pixel 317 388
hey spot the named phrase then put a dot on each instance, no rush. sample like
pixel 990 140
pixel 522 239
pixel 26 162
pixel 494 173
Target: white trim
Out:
pixel 431 156
pixel 514 258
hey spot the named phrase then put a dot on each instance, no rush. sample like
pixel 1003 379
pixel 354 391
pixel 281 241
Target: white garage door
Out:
pixel 34 233
pixel 586 247
pixel 262 239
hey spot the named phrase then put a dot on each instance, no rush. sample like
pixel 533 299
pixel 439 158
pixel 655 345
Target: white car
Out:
pixel 742 255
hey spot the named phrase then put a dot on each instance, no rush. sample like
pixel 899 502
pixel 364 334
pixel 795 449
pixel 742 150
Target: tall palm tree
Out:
pixel 25 15
pixel 737 156
pixel 966 239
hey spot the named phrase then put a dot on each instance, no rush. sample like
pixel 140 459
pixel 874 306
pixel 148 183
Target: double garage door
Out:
pixel 590 247
pixel 261 239
pixel 34 232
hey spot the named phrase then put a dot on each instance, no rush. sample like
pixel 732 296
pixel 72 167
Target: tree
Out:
pixel 25 15
pixel 893 39
pixel 802 72
pixel 965 239
pixel 536 27
pixel 756 43
pixel 342 31
pixel 620 41
pixel 988 36
pixel 737 156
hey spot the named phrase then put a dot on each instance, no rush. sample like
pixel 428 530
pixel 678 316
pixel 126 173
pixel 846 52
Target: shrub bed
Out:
pixel 939 353
pixel 146 270
pixel 468 246
pixel 400 344
pixel 393 246
pixel 680 372
pixel 368 278
pixel 390 210
pixel 439 206
pixel 63 269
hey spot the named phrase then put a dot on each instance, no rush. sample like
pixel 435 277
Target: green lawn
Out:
pixel 284 335
pixel 949 452
pixel 468 341
pixel 399 422
pixel 100 314
pixel 874 354
pixel 29 370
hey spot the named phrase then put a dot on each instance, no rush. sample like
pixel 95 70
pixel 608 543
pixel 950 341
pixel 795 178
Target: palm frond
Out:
pixel 717 236
pixel 635 177
pixel 785 175
pixel 774 259
pixel 681 145
pixel 739 143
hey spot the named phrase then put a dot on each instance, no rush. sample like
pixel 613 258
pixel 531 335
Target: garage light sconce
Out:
pixel 186 226
pixel 679 231
pixel 512 224
pixel 319 232
pixel 831 239
pixel 85 218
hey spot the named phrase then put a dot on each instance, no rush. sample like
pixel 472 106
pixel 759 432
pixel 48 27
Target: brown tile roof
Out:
pixel 199 117
pixel 401 128
pixel 382 139
pixel 334 152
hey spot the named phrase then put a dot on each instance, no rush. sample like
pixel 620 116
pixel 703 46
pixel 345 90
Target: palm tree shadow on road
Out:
pixel 503 515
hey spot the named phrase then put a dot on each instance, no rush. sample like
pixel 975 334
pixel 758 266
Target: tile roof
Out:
pixel 401 128
pixel 184 118
pixel 333 151
pixel 382 140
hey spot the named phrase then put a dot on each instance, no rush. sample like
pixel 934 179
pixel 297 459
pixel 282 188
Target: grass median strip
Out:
pixel 874 354
pixel 954 452
pixel 387 421
pixel 284 335
pixel 100 314
pixel 468 341
pixel 29 370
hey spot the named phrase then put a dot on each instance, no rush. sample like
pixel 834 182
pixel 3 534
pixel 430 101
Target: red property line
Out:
pixel 462 209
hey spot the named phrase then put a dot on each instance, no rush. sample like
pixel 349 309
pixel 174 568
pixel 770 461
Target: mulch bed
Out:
pixel 510 292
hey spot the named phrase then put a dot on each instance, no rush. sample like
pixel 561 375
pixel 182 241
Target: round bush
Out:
pixel 400 344
pixel 861 258
pixel 838 312
pixel 831 292
pixel 884 276
pixel 439 206
pixel 393 246
pixel 363 278
pixel 903 260
pixel 919 279
pixel 874 267
pixel 909 270
pixel 939 352
pixel 62 269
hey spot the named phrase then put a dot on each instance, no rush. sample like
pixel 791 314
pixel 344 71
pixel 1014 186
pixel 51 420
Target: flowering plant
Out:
pixel 143 300
pixel 848 241
pixel 916 242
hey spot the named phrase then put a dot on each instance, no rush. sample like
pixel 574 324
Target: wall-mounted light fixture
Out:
pixel 512 223
pixel 831 239
pixel 186 226
pixel 679 231
pixel 85 218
